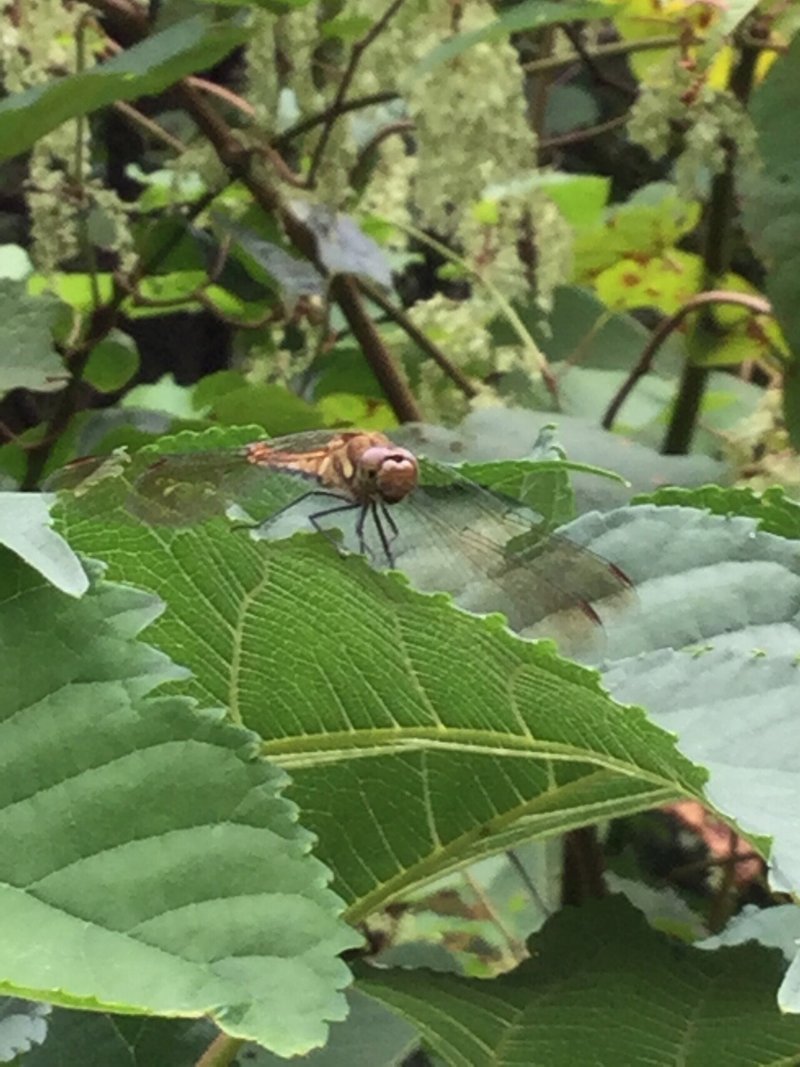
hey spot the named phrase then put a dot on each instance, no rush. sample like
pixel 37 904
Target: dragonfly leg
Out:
pixel 314 519
pixel 389 522
pixel 277 514
pixel 379 510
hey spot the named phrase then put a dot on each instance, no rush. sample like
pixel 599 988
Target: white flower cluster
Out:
pixel 262 67
pixel 459 325
pixel 717 119
pixel 388 192
pixel 712 118
pixel 470 126
pixel 39 42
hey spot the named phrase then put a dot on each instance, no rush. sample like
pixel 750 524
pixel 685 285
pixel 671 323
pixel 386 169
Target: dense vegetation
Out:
pixel 530 803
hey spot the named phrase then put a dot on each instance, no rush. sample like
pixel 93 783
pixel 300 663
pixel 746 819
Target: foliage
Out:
pixel 243 767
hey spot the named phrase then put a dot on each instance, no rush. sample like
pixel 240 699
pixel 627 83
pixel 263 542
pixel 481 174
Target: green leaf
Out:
pixel 143 839
pixel 344 370
pixel 568 108
pixel 342 246
pixel 142 70
pixel 701 580
pixel 347 409
pixel 294 277
pixel 369 691
pixel 731 707
pixel 579 197
pixel 272 407
pixel 25 530
pixel 76 289
pixel 27 357
pixel 648 225
pixel 113 362
pixel 491 434
pixel 775 927
pixel 602 988
pixel 164 395
pixel 774 511
pixel 99 1039
pixel 529 15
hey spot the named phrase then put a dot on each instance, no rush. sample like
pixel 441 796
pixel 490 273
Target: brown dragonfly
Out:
pixel 492 554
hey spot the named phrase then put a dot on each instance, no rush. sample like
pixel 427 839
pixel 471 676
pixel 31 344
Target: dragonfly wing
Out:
pixel 494 556
pixel 177 489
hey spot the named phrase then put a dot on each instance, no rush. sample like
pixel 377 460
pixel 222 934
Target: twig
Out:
pixel 223 93
pixel 606 51
pixel 585 134
pixel 86 246
pixel 758 305
pixel 332 112
pixel 363 158
pixel 221 1051
pixel 356 52
pixel 407 324
pixel 194 296
pixel 149 125
pixel 239 161
pixel 589 60
pixel 230 320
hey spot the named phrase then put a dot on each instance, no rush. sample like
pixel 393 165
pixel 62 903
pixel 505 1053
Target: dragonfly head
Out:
pixel 388 473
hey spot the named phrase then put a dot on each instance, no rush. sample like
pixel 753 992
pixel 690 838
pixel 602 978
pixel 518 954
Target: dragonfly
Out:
pixel 490 553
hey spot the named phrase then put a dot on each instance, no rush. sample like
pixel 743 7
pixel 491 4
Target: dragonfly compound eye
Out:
pixel 396 475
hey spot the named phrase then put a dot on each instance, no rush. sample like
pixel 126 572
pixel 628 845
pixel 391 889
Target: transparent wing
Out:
pixel 494 556
pixel 186 487
pixel 182 488
pixel 177 489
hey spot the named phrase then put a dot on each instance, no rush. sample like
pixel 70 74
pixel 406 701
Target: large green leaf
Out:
pixel 142 70
pixel 377 696
pixel 602 988
pixel 149 863
pixel 369 691
pixel 701 580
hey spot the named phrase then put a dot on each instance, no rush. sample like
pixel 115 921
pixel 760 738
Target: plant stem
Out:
pixel 503 304
pixel 407 324
pixel 716 260
pixel 355 104
pixel 221 1052
pixel 606 51
pixel 757 304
